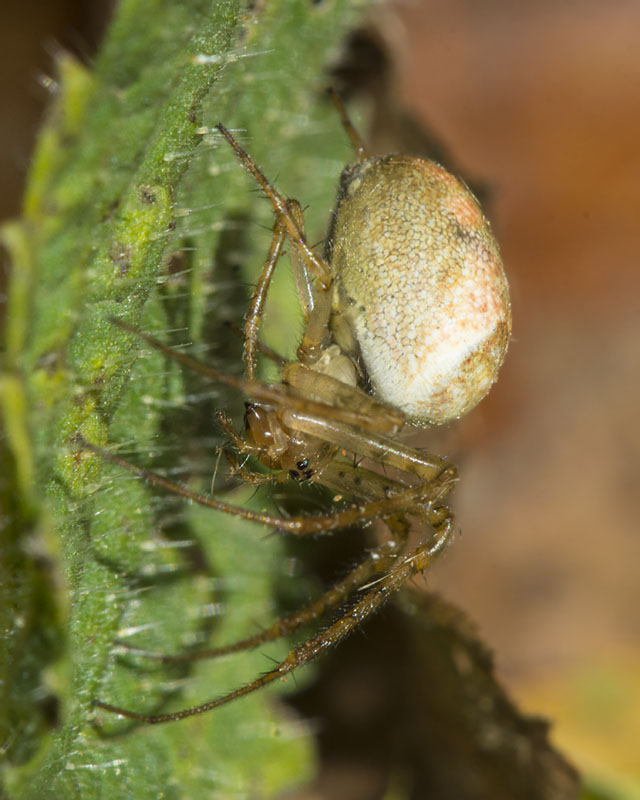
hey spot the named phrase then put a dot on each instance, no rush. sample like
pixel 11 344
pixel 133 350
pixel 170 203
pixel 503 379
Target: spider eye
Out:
pixel 303 464
pixel 304 474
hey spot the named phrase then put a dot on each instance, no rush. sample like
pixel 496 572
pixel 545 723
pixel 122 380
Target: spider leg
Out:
pixel 251 476
pixel 372 414
pixel 316 306
pixel 278 395
pixel 315 296
pixel 303 279
pixel 290 220
pixel 372 445
pixel 241 445
pixel 262 348
pixel 412 500
pixel 378 561
pixel 356 141
pixel 256 306
pixel 404 569
pixel 247 448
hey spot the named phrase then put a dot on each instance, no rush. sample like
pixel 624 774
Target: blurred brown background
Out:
pixel 538 103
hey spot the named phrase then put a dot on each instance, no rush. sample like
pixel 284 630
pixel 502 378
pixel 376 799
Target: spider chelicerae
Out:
pixel 407 320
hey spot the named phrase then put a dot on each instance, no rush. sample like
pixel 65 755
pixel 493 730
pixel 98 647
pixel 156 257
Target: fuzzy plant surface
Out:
pixel 136 208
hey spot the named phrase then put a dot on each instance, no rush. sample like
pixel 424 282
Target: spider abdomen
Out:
pixel 420 282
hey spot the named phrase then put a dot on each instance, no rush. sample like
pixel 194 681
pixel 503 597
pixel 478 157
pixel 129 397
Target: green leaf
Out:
pixel 136 208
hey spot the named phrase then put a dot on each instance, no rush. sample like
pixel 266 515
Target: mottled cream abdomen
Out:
pixel 420 280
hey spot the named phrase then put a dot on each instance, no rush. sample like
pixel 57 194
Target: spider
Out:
pixel 407 320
